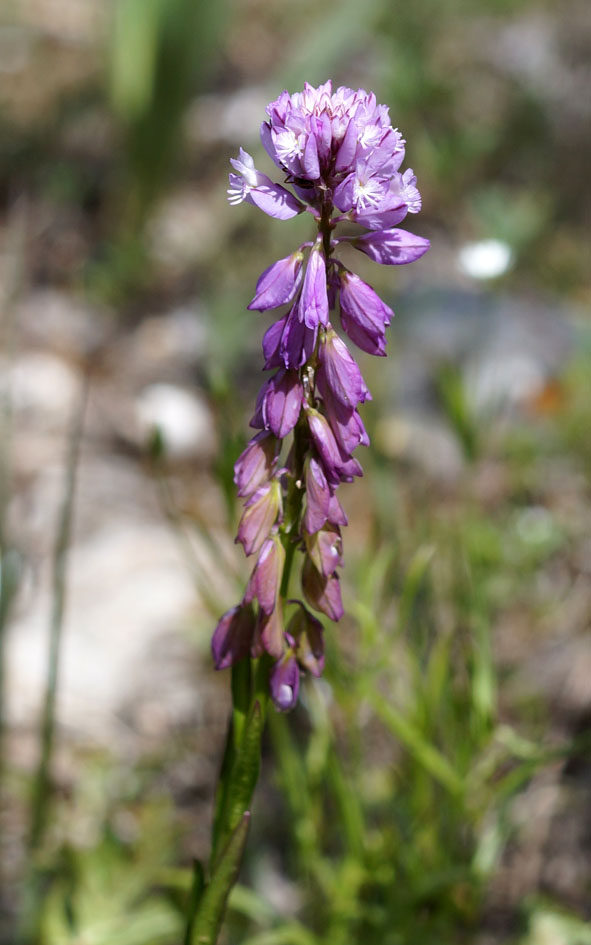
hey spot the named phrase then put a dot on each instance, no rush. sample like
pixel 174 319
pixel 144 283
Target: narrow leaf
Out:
pixel 209 918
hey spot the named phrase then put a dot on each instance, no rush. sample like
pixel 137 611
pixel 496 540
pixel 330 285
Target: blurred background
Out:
pixel 434 788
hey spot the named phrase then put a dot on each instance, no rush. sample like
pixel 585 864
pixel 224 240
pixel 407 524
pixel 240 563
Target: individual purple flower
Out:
pixel 269 633
pixel 260 514
pixel 363 314
pixel 338 371
pixel 325 548
pixel 279 283
pixel 285 682
pixel 279 403
pixel 322 593
pixel 233 635
pixel 254 465
pixel 308 634
pixel 318 497
pixel 345 423
pixel 392 247
pixel 258 189
pixel 313 309
pixel 297 342
pixel 265 580
pixel 325 443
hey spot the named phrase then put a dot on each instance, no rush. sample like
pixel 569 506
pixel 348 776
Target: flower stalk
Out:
pixel 341 157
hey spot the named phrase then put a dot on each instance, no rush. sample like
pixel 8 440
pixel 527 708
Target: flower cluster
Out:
pixel 341 158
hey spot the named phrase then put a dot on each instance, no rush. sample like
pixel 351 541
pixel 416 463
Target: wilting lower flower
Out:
pixel 341 158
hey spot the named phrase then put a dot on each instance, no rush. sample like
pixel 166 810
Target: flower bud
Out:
pixel 325 549
pixel 363 314
pixel 307 631
pixel 282 402
pixel 233 636
pixel 259 516
pixel 285 682
pixel 313 307
pixel 338 371
pixel 278 284
pixel 269 630
pixel 265 580
pixel 322 593
pixel 317 496
pixel 253 467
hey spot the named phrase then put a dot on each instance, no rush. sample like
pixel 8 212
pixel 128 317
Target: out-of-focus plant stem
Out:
pixel 13 277
pixel 35 886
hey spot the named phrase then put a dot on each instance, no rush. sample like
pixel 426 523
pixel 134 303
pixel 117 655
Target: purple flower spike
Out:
pixel 282 402
pixel 285 682
pixel 339 372
pixel 313 310
pixel 392 247
pixel 266 578
pixel 317 497
pixel 259 516
pixel 341 159
pixel 322 593
pixel 363 314
pixel 232 637
pixel 254 466
pixel 278 284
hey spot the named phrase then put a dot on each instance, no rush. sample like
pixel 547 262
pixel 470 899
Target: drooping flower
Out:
pixel 341 159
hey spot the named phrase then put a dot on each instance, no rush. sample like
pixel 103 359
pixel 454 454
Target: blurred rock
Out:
pixel 43 390
pixel 58 321
pixel 180 417
pixel 421 441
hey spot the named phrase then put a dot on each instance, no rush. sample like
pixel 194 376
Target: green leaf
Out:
pixel 195 895
pixel 212 907
pixel 238 784
pixel 422 751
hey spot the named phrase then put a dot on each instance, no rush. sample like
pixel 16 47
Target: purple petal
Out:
pixel 271 341
pixel 259 516
pixel 322 593
pixel 275 201
pixel 313 309
pixel 317 497
pixel 308 634
pixel 310 160
pixel 282 402
pixel 347 150
pixel 253 467
pixel 233 636
pixel 392 247
pixel 363 314
pixel 278 284
pixel 297 341
pixel 266 578
pixel 284 682
pixel 270 631
pixel 325 443
pixel 340 372
pixel 336 513
pixel 325 549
